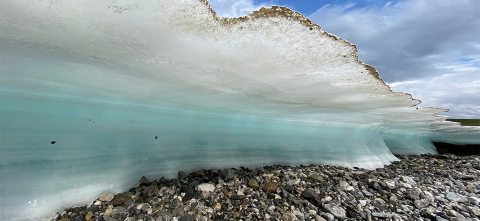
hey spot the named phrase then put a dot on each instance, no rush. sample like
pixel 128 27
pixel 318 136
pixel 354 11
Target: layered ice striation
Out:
pixel 103 78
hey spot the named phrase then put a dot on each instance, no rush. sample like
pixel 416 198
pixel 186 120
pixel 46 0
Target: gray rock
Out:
pixel 379 203
pixel 408 180
pixel 173 205
pixel 344 186
pixel 207 187
pixel 474 211
pixel 329 217
pixel 165 216
pixel 310 194
pixel 421 203
pixel 390 184
pixel 144 180
pixel 337 211
pixel 474 200
pixel 182 175
pixel 228 174
pixel 319 218
pixel 383 215
pixel 366 193
pixel 456 197
pixel 119 212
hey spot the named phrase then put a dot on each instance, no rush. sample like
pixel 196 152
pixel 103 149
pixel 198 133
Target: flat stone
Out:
pixel 467 177
pixel 270 187
pixel 456 197
pixel 293 182
pixel 106 197
pixel 253 184
pixel 207 187
pixel 238 197
pixel 421 203
pixel 337 211
pixel 344 186
pixel 366 193
pixel 119 199
pixel 315 177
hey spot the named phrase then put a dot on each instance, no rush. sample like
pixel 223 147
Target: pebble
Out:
pixel 423 187
pixel 207 187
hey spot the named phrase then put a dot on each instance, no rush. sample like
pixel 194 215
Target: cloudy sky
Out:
pixel 428 48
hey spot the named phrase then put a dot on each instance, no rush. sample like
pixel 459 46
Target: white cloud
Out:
pixel 429 49
pixel 235 8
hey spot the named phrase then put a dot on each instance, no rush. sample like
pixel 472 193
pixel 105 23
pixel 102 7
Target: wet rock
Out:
pixel 228 174
pixel 119 199
pixel 182 175
pixel 144 181
pixel 150 191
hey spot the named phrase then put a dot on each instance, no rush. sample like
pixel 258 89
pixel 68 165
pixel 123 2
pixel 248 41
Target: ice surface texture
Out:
pixel 103 78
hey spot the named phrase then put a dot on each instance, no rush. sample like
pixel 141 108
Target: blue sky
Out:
pixel 428 48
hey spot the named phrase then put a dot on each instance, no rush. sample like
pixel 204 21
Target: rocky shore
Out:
pixel 426 187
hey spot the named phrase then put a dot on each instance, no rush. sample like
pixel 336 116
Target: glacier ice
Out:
pixel 103 78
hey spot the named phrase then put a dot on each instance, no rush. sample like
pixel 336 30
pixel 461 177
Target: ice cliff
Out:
pixel 103 78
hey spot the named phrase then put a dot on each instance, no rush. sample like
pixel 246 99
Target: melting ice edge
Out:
pixel 103 78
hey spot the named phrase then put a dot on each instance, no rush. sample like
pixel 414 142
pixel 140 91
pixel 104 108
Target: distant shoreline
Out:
pixel 467 122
